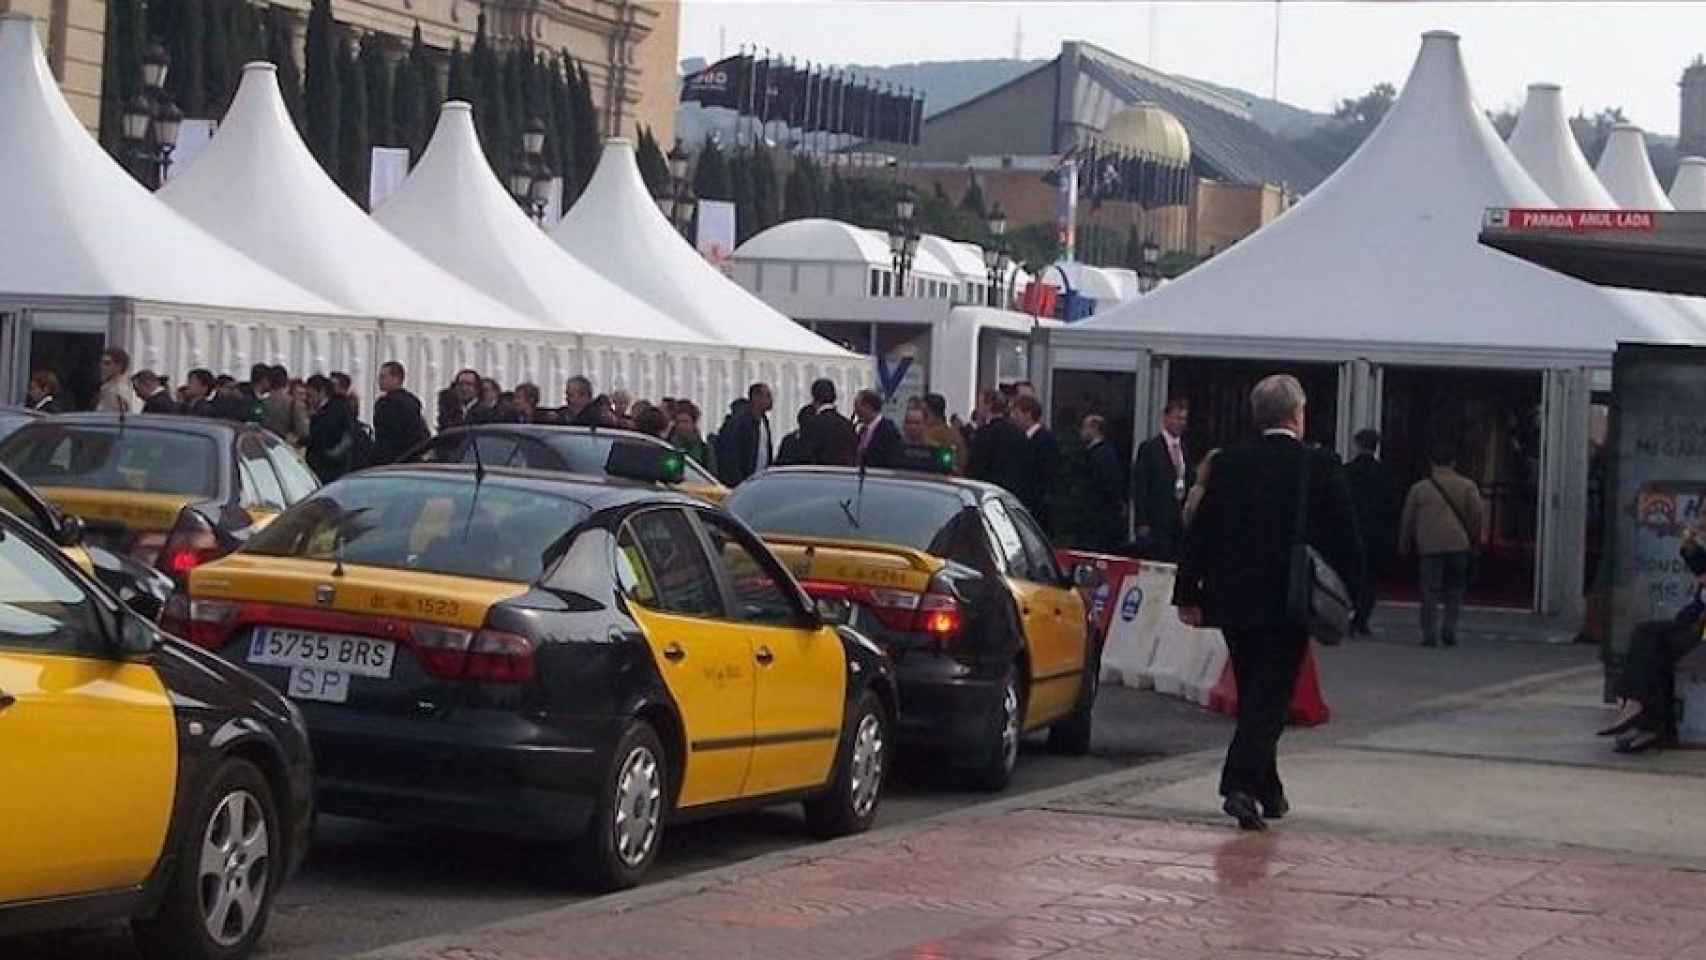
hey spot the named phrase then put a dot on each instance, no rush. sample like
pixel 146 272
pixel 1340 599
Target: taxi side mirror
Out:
pixel 1083 575
pixel 135 636
pixel 70 532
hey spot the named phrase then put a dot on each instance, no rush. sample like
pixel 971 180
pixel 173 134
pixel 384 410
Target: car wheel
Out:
pixel 627 823
pixel 229 865
pixel 855 791
pixel 1007 728
pixel 1070 736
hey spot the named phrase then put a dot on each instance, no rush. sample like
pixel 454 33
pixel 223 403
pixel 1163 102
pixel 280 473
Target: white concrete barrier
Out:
pixel 1149 647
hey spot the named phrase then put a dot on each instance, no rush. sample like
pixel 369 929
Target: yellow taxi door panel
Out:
pixel 1056 657
pixel 802 686
pixel 1060 644
pixel 708 668
pixel 88 764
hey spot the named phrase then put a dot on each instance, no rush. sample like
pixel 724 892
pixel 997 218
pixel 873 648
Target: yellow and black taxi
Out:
pixel 557 449
pixel 143 778
pixel 958 583
pixel 171 492
pixel 553 657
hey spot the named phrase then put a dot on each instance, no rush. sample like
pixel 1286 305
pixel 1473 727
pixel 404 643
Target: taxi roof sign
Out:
pixel 925 458
pixel 645 462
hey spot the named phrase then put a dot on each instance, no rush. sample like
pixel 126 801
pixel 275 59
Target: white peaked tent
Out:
pixel 1379 268
pixel 616 229
pixel 453 211
pixel 1688 191
pixel 1544 145
pixel 1627 170
pixel 257 187
pixel 84 248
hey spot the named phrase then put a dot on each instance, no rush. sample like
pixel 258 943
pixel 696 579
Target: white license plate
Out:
pixel 318 683
pixel 304 649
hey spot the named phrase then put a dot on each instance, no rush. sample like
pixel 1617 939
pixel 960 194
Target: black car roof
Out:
pixel 595 493
pixel 556 430
pixel 972 491
pixel 206 426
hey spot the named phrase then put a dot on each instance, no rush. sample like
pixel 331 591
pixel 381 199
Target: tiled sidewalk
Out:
pixel 1032 884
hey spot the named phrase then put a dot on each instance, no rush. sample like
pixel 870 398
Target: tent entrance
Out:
pixel 1492 420
pixel 1219 395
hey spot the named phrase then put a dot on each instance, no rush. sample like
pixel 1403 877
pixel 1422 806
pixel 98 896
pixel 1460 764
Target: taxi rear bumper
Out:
pixel 483 770
pixel 947 705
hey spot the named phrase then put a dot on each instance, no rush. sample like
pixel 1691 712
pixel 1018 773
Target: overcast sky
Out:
pixel 1627 54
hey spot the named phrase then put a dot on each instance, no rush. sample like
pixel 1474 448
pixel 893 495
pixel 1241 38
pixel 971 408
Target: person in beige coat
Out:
pixel 1442 524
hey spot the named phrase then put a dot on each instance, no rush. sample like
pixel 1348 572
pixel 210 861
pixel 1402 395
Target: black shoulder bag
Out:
pixel 1315 595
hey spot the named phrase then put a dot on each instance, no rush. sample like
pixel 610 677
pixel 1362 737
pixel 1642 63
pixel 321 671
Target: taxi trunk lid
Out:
pixel 121 520
pixel 888 591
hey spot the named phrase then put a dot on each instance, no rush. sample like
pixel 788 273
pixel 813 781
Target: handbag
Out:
pixel 1316 596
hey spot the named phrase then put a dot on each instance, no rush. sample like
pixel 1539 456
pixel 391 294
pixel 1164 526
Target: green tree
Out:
pixel 320 85
pixel 1133 248
pixel 1034 246
pixel 742 188
pixel 246 41
pixel 219 79
pixel 457 88
pixel 766 190
pixel 187 79
pixel 711 178
pixel 408 101
pixel 121 70
pixel 1332 143
pixel 354 159
pixel 562 142
pixel 281 50
pixel 426 73
pixel 654 166
pixel 1503 120
pixel 376 78
pixel 588 141
pixel 972 202
pixel 1592 132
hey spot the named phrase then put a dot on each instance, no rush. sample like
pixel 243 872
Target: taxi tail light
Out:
pixel 939 615
pixel 895 609
pixel 936 613
pixel 210 623
pixel 191 543
pixel 483 656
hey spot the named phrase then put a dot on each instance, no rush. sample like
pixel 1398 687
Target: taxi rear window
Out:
pixel 434 525
pixel 131 458
pixel 833 507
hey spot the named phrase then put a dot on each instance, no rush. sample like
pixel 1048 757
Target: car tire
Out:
pixel 1070 735
pixel 1006 728
pixel 855 791
pixel 229 865
pixel 621 841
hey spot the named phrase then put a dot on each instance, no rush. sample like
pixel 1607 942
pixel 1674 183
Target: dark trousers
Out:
pixel 1445 579
pixel 1649 672
pixel 1265 663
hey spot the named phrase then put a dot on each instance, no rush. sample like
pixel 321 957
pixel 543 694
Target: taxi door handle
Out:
pixel 6 699
pixel 674 654
pixel 765 656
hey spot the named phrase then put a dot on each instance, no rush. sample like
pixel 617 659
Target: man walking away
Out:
pixel 1443 521
pixel 879 439
pixel 746 440
pixel 828 438
pixel 940 433
pixel 398 426
pixel 1376 502
pixel 155 397
pixel 116 394
pixel 330 439
pixel 1104 487
pixel 1235 570
pixel 1042 461
pixel 999 452
pixel 1161 475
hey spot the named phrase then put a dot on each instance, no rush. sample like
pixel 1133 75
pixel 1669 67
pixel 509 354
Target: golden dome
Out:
pixel 1146 128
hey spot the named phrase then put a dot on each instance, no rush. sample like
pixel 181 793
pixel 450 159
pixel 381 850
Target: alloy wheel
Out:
pixel 638 805
pixel 1010 732
pixel 867 766
pixel 234 867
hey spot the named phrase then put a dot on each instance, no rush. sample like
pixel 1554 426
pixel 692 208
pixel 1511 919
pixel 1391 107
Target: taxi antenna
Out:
pixel 479 479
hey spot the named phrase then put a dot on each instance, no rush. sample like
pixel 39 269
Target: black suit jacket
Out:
pixel 1377 504
pixel 884 448
pixel 1039 476
pixel 828 439
pixel 742 435
pixel 1001 455
pixel 327 428
pixel 1155 502
pixel 1104 482
pixel 160 402
pixel 1237 554
pixel 397 426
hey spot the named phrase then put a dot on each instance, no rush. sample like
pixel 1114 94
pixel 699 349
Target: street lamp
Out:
pixel 151 120
pixel 995 257
pixel 677 205
pixel 903 241
pixel 1150 269
pixel 530 174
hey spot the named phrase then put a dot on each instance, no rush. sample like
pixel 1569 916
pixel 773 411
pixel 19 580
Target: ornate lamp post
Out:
pixel 530 175
pixel 995 259
pixel 151 121
pixel 903 241
pixel 1150 269
pixel 678 204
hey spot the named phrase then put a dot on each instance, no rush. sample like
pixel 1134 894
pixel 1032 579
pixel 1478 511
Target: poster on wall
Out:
pixel 903 367
pixel 1658 486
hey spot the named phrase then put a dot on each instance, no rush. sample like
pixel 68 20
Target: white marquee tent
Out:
pixel 616 229
pixel 1379 266
pixel 85 249
pixel 1544 145
pixel 453 211
pixel 1688 191
pixel 1627 170
pixel 257 187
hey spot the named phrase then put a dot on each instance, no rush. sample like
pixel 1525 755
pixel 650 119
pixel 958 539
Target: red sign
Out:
pixel 1574 221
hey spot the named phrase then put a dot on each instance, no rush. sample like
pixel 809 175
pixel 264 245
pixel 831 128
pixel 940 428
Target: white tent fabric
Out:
pixel 616 229
pixel 1688 191
pixel 963 260
pixel 258 188
pixel 453 211
pixel 814 240
pixel 1543 143
pixel 1627 170
pixel 72 224
pixel 1384 254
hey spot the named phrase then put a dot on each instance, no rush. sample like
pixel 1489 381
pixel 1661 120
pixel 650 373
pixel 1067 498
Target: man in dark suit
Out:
pixel 1376 500
pixel 155 397
pixel 398 425
pixel 828 438
pixel 1161 475
pixel 792 449
pixel 1042 462
pixel 879 438
pixel 1104 486
pixel 999 453
pixel 746 440
pixel 329 426
pixel 1234 574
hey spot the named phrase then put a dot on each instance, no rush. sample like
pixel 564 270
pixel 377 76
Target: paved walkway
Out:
pixel 1031 884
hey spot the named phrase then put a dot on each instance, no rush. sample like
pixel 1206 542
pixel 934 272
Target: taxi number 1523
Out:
pixel 415 606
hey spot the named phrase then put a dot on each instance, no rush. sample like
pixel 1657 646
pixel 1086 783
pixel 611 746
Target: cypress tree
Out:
pixel 458 86
pixel 376 77
pixel 972 202
pixel 764 190
pixel 654 166
pixel 840 199
pixel 431 97
pixel 353 158
pixel 741 189
pixel 406 104
pixel 562 143
pixel 320 85
pixel 588 141
pixel 188 77
pixel 220 80
pixel 484 89
pixel 513 119
pixel 121 68
pixel 711 179
pixel 281 50
pixel 246 41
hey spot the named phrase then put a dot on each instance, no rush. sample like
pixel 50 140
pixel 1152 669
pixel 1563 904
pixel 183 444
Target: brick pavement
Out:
pixel 1032 884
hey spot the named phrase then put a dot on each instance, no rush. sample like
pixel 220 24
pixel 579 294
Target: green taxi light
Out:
pixel 924 458
pixel 645 462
